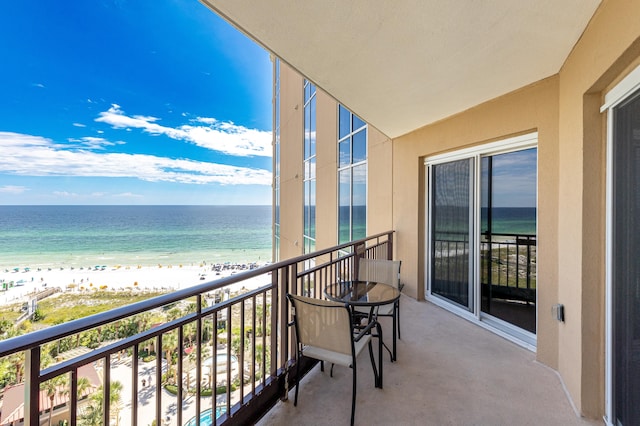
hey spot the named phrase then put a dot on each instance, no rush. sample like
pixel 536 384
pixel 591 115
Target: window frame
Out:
pixel 350 166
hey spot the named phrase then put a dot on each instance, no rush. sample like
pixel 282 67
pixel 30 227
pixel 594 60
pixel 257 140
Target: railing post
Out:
pixel 360 251
pixel 390 246
pixel 159 379
pixel 73 398
pixel 199 363
pixel 282 313
pixel 106 389
pixel 32 386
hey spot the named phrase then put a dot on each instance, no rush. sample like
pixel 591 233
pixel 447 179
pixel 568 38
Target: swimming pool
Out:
pixel 205 416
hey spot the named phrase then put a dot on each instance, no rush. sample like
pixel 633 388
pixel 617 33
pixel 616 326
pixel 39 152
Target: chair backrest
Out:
pixel 322 323
pixel 380 270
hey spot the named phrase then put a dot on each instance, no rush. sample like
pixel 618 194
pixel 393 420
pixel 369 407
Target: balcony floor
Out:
pixel 449 372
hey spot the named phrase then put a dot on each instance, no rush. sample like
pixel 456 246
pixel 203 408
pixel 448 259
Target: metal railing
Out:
pixel 246 330
pixel 509 265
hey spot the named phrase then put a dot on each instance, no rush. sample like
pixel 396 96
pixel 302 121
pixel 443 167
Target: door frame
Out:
pixel 618 94
pixel 502 328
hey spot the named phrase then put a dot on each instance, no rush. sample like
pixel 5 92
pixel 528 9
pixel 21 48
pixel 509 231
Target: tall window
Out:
pixel 276 161
pixel 309 233
pixel 352 176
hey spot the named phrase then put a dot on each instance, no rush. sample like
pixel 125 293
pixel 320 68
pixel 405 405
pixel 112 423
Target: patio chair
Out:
pixel 324 331
pixel 386 272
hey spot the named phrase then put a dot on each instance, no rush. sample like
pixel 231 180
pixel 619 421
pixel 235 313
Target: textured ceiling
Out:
pixel 403 64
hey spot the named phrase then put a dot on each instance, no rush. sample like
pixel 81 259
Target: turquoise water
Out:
pixel 511 220
pixel 205 417
pixel 130 235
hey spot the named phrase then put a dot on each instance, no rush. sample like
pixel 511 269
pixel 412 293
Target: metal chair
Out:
pixel 386 272
pixel 324 331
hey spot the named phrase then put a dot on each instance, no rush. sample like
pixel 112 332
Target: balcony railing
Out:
pixel 226 360
pixel 508 267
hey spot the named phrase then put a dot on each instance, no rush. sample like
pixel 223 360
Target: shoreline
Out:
pixel 19 286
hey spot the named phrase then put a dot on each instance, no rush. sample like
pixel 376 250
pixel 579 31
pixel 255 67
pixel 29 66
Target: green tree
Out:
pixel 53 387
pixel 170 346
pixel 95 410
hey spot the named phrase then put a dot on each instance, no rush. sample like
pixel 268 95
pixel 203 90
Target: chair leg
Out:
pixel 380 343
pixel 295 400
pixel 377 372
pixel 398 315
pixel 373 364
pixel 395 333
pixel 353 398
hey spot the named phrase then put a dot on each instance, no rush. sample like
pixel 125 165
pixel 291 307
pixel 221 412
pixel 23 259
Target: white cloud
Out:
pixel 92 143
pixel 79 125
pixel 12 189
pixel 209 133
pixel 128 195
pixel 38 85
pixel 65 194
pixel 27 155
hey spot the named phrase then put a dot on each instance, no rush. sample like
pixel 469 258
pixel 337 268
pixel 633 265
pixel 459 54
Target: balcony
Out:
pixel 448 371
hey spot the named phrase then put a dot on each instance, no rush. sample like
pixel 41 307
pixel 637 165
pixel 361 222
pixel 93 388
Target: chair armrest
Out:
pixel 365 330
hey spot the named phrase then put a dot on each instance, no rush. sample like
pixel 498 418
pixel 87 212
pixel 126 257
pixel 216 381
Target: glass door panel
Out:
pixel 625 265
pixel 508 237
pixel 451 233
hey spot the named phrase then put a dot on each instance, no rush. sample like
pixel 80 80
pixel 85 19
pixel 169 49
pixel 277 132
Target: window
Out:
pixel 352 176
pixel 276 162
pixel 309 191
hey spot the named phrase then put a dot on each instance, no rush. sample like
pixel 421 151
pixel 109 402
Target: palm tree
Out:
pixel 53 387
pixel 91 417
pixel 17 359
pixel 82 385
pixel 94 412
pixel 170 344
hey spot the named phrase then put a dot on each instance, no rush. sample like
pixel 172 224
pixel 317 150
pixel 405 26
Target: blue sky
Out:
pixel 131 102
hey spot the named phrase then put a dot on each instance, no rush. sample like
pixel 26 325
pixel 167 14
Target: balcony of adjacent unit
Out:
pixel 226 352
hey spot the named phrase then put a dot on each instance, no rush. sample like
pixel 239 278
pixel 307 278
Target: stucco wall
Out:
pixel 326 174
pixel 607 48
pixel 291 175
pixel 380 183
pixel 380 172
pixel 533 108
pixel 571 194
pixel 564 110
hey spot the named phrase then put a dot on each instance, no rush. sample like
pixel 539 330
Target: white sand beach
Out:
pixel 22 283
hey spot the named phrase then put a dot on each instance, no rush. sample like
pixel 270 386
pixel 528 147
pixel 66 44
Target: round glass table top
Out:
pixel 362 293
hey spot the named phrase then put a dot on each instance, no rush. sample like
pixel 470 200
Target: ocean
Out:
pixel 58 236
pixel 511 220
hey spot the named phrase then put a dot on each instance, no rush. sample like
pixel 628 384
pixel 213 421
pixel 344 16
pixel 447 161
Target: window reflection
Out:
pixel 352 174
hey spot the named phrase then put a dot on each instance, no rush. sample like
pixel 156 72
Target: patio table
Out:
pixel 365 294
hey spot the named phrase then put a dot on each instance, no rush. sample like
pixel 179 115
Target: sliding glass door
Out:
pixel 482 234
pixel 508 237
pixel 452 223
pixel 625 267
